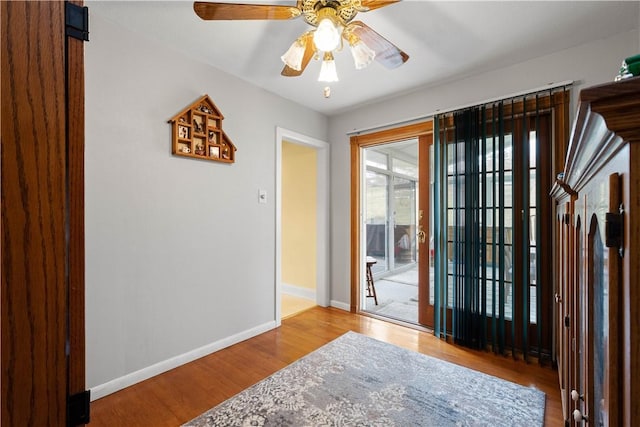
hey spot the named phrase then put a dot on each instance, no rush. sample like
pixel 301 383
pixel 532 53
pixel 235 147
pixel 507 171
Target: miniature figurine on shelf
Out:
pixel 630 68
pixel 200 150
pixel 212 136
pixel 225 153
pixel 197 126
pixel 205 109
pixel 185 149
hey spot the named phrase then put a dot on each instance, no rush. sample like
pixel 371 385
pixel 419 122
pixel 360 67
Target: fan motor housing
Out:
pixel 346 10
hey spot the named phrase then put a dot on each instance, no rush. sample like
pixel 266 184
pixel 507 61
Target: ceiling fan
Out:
pixel 334 24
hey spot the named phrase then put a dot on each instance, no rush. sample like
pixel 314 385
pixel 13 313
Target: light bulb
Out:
pixel 326 36
pixel 362 54
pixel 328 72
pixel 293 57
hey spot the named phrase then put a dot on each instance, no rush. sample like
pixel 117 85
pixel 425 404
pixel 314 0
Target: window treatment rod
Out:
pixel 549 86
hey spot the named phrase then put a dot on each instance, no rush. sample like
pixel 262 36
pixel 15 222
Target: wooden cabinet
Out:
pixel 597 277
pixel 197 133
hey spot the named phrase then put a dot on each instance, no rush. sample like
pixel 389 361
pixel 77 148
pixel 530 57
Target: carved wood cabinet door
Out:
pixel 596 396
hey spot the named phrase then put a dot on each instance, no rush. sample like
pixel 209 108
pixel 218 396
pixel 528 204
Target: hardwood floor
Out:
pixel 292 305
pixel 181 394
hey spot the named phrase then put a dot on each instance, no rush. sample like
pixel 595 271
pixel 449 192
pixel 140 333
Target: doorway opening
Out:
pixel 302 223
pixel 391 224
pixel 299 211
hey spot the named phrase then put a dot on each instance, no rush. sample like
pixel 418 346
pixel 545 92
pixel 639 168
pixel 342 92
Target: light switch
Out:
pixel 262 196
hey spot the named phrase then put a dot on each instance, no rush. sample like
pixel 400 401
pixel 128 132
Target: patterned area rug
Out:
pixel 359 381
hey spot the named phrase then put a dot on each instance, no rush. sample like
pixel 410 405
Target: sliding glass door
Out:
pixel 390 205
pixel 390 211
pixel 390 223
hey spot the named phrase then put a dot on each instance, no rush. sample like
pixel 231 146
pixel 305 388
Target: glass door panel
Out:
pixel 377 220
pixel 390 213
pixel 404 201
pixel 597 399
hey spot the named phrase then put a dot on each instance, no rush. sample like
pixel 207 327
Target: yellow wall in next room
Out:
pixel 299 207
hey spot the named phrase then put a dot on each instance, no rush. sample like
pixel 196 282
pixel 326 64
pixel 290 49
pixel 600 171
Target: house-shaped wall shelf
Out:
pixel 197 133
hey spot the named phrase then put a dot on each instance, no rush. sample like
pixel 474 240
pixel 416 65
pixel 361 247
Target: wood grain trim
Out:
pixel 33 298
pixel 355 225
pixel 598 133
pixel 425 310
pixel 561 130
pixel 221 11
pixel 614 312
pixel 618 104
pixel 611 91
pixel 357 143
pixel 630 304
pixel 75 208
pixel 392 135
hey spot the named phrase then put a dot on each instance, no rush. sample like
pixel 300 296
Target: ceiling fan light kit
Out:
pixel 333 22
pixel 362 54
pixel 328 71
pixel 328 34
pixel 293 57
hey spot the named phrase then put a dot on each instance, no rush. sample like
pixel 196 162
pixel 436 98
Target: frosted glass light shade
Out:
pixel 293 57
pixel 326 37
pixel 362 54
pixel 328 72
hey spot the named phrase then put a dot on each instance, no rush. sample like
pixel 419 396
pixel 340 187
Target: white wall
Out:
pixel 179 253
pixel 587 65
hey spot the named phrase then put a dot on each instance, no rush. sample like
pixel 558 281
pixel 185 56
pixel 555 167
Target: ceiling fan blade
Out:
pixel 234 11
pixel 376 4
pixel 387 53
pixel 309 51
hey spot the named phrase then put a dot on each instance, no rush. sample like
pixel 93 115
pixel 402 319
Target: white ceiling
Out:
pixel 446 40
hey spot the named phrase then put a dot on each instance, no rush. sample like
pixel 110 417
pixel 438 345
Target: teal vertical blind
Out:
pixel 492 210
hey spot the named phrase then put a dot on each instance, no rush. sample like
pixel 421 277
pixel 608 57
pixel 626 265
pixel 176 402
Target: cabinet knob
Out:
pixel 575 395
pixel 557 297
pixel 577 416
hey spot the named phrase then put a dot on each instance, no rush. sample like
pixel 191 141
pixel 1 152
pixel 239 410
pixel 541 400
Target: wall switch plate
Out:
pixel 262 196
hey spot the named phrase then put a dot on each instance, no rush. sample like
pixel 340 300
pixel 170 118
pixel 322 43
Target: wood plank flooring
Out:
pixel 181 394
pixel 292 305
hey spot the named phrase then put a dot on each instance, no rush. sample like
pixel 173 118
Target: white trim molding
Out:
pixel 166 365
pixel 341 305
pixel 299 291
pixel 322 217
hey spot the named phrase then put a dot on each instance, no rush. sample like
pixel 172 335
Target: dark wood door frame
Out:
pixel 75 208
pixel 42 179
pixel 424 132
